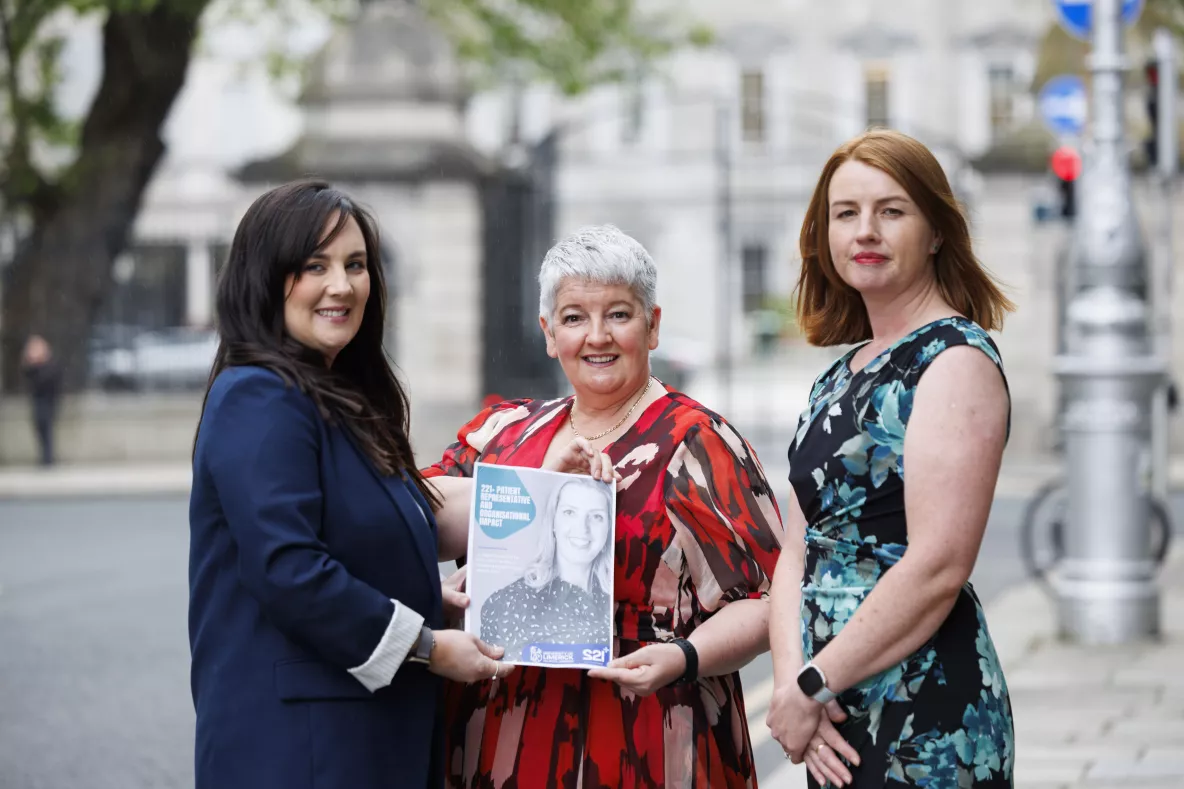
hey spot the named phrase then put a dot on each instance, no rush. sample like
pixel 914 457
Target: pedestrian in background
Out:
pixel 315 606
pixel 44 379
pixel 884 669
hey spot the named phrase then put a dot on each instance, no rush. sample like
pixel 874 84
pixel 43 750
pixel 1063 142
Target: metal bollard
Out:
pixel 1106 585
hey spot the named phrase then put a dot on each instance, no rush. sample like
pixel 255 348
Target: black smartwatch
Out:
pixel 422 651
pixel 691 673
pixel 813 683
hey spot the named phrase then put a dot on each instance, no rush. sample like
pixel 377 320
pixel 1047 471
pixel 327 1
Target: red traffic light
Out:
pixel 1066 163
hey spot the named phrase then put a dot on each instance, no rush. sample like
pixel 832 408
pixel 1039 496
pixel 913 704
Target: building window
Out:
pixel 149 289
pixel 632 111
pixel 752 106
pixel 1002 84
pixel 876 94
pixel 753 261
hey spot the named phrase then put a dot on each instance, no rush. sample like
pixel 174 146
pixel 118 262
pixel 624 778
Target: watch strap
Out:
pixel 422 651
pixel 691 673
pixel 825 696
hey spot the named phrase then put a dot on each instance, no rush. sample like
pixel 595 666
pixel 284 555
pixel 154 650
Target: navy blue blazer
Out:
pixel 297 547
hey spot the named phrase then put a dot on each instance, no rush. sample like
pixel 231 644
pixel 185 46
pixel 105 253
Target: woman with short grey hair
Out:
pixel 697 536
pixel 599 254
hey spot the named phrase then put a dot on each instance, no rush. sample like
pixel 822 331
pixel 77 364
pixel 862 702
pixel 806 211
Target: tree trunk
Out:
pixel 62 269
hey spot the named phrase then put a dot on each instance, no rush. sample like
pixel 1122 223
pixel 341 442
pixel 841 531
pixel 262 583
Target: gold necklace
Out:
pixel 571 414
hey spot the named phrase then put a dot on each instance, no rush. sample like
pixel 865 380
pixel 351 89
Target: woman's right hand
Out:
pixel 579 457
pixel 463 657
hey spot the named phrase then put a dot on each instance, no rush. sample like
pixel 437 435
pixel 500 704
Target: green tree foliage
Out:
pixel 70 188
pixel 572 43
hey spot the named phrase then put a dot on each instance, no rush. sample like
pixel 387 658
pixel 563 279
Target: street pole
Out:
pixel 723 152
pixel 1106 586
pixel 1167 156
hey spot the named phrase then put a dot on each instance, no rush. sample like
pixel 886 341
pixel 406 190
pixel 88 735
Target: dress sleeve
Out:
pixel 724 514
pixel 458 458
pixel 950 335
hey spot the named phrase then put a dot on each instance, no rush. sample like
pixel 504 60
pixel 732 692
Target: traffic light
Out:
pixel 1151 144
pixel 1066 166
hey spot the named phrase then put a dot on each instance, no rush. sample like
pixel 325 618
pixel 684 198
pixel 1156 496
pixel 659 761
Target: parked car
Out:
pixel 169 359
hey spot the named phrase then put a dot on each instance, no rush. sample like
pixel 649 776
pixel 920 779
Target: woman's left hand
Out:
pixel 454 599
pixel 827 749
pixel 645 670
pixel 793 719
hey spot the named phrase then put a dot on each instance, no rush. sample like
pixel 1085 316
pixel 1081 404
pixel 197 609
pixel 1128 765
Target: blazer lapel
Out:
pixel 418 518
pixel 419 521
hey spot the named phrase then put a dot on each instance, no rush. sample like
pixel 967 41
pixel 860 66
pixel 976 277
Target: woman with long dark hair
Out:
pixel 315 594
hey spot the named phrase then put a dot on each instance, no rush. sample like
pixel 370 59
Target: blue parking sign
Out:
pixel 1076 16
pixel 1063 105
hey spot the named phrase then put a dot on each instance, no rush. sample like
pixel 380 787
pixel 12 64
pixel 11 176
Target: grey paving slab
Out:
pixel 1149 732
pixel 1066 772
pixel 1162 711
pixel 1072 660
pixel 1150 678
pixel 1076 701
pixel 1140 770
pixel 1085 752
pixel 1148 783
pixel 1055 728
pixel 1066 678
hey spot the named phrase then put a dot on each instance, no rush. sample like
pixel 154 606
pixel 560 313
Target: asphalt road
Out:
pixel 94 655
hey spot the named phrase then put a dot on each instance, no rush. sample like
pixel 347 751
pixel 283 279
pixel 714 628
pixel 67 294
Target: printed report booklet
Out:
pixel 540 565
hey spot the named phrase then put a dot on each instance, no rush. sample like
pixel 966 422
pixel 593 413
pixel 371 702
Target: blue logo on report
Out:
pixel 567 654
pixel 503 504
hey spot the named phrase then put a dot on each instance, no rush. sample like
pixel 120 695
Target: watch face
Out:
pixel 810 681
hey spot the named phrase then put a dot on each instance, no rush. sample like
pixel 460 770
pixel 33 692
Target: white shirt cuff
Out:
pixel 401 634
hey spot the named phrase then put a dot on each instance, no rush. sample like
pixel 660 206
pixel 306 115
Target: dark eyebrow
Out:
pixel 881 201
pixel 320 255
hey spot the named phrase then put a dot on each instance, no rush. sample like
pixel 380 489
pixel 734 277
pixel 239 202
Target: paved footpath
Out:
pixel 1095 717
pixel 1085 717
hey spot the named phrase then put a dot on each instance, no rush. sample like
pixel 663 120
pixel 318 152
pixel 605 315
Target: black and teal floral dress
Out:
pixel 942 718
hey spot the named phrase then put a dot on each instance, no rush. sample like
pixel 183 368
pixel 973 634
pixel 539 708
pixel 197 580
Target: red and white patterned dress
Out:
pixel 697 527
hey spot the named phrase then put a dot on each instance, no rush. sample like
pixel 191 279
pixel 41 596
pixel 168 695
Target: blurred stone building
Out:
pixel 708 157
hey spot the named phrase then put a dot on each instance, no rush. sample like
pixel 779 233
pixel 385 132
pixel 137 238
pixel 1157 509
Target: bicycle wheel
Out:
pixel 1161 531
pixel 1042 529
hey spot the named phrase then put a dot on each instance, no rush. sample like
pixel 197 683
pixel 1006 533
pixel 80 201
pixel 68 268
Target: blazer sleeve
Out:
pixel 262 451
